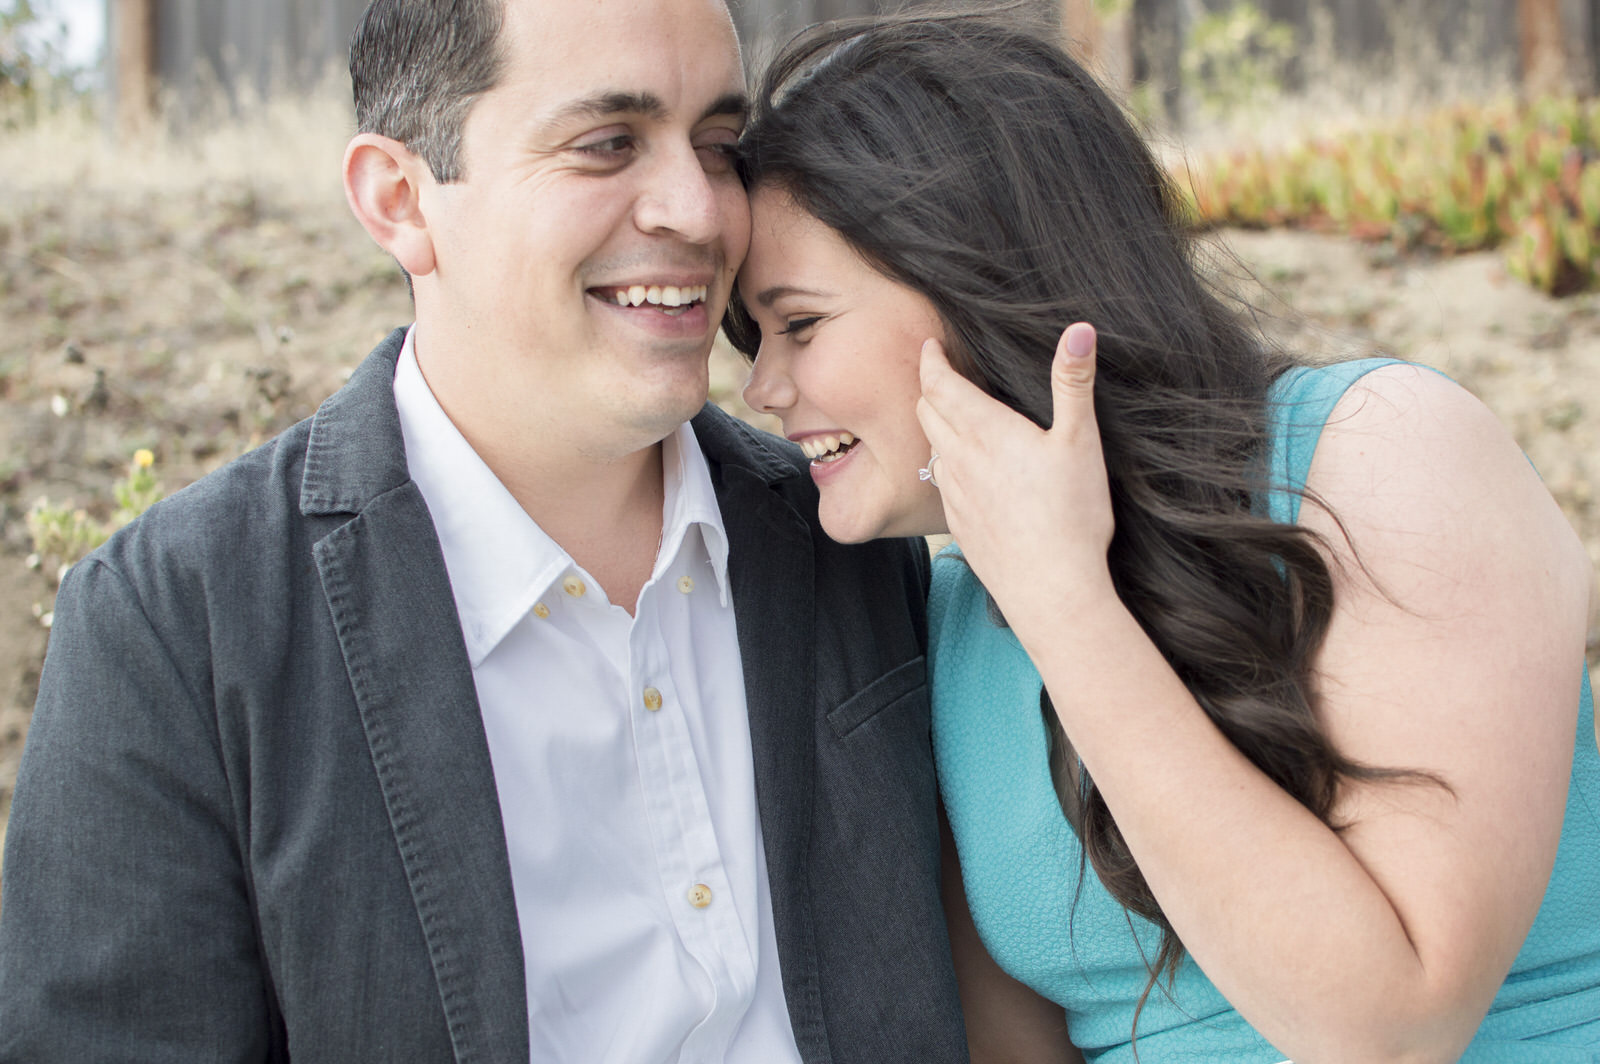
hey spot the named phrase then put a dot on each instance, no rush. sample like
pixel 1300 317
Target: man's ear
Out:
pixel 382 182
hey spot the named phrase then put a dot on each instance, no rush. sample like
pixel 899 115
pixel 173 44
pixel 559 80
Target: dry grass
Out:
pixel 193 295
pixel 196 295
pixel 190 295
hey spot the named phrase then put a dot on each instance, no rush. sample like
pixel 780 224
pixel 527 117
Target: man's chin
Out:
pixel 643 428
pixel 671 417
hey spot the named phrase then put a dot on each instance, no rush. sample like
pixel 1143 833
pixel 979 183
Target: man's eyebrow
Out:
pixel 606 104
pixel 768 296
pixel 734 103
pixel 647 104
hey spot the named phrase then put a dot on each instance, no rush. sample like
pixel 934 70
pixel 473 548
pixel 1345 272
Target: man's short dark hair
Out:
pixel 417 66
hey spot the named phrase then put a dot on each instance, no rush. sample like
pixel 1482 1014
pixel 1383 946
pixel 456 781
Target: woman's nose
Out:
pixel 770 389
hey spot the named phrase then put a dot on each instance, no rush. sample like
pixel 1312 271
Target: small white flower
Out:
pixel 59 405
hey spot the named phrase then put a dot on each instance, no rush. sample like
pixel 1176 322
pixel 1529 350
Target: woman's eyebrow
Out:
pixel 768 296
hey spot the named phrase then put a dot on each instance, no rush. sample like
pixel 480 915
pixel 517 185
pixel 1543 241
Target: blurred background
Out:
pixel 1180 57
pixel 180 278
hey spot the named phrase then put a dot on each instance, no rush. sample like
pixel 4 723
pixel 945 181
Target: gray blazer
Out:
pixel 256 817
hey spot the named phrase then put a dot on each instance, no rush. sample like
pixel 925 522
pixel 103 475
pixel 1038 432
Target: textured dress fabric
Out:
pixel 1049 922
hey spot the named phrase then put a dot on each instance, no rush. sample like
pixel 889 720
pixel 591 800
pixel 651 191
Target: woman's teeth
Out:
pixel 668 296
pixel 827 448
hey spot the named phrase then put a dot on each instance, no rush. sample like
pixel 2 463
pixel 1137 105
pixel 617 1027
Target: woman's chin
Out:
pixel 847 533
pixel 850 528
pixel 849 524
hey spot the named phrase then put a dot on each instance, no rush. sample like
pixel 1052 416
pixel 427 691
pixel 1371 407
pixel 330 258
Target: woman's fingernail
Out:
pixel 1080 342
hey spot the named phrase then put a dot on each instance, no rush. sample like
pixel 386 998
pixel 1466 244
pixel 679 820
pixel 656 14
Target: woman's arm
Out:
pixel 1007 1022
pixel 1454 650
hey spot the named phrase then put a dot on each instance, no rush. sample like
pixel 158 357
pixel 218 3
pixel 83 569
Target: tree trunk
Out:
pixel 1542 48
pixel 133 24
pixel 1102 43
pixel 1080 31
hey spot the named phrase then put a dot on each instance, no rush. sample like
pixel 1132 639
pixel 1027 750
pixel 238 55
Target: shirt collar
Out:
pixel 689 501
pixel 499 560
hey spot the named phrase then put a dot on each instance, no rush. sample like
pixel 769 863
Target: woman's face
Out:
pixel 840 345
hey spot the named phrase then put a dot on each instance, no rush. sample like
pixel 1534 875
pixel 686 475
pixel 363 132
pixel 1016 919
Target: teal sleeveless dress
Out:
pixel 1061 933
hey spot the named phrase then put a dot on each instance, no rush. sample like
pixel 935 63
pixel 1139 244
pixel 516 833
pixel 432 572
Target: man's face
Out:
pixel 598 192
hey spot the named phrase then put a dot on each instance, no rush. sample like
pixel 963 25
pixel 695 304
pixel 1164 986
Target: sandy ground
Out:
pixel 198 316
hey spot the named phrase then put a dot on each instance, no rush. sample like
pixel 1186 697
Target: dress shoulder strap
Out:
pixel 1300 402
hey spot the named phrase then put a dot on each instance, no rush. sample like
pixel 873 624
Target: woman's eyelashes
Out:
pixel 795 326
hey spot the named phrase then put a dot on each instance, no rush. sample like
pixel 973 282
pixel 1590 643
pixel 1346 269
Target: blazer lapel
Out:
pixel 771 568
pixel 392 607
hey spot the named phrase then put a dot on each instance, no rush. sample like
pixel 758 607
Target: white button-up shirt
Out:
pixel 621 752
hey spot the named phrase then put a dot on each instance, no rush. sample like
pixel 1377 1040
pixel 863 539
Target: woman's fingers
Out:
pixel 1072 376
pixel 1027 505
pixel 1072 373
pixel 934 426
pixel 962 405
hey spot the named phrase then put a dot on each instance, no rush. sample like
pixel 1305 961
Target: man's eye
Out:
pixel 720 157
pixel 795 326
pixel 610 149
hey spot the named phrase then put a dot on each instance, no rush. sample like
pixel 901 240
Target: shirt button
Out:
pixel 573 586
pixel 652 699
pixel 540 610
pixel 699 895
pixel 685 584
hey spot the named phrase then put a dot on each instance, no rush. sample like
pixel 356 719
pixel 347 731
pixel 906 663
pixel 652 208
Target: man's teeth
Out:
pixel 827 448
pixel 661 295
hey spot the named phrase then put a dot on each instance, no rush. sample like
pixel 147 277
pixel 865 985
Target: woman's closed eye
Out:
pixel 795 326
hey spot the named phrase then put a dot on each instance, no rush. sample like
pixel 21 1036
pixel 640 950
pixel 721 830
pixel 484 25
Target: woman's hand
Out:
pixel 1030 507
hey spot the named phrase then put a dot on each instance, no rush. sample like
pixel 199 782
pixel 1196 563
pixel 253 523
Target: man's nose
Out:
pixel 683 200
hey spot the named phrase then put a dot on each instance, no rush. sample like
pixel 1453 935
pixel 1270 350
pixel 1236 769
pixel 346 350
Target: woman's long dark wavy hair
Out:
pixel 983 168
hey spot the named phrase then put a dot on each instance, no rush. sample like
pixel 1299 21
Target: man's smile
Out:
pixel 673 299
